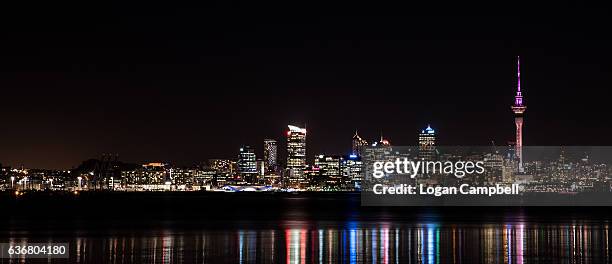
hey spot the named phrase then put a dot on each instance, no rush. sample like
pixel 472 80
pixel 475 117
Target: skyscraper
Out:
pixel 518 108
pixel 270 156
pixel 247 164
pixel 358 144
pixel 427 143
pixel 296 156
pixel 330 169
pixel 352 167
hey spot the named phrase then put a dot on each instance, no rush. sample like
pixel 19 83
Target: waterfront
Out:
pixel 304 228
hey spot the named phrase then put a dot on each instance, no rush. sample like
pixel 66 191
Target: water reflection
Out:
pixel 354 242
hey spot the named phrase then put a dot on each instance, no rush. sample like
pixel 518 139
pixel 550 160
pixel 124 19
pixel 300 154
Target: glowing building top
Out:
pixel 296 129
pixel 428 130
pixel 383 142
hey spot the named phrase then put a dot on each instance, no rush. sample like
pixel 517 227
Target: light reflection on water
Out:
pixel 353 242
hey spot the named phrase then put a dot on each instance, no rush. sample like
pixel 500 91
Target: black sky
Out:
pixel 183 82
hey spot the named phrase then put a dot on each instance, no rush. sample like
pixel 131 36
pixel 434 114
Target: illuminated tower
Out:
pixel 518 108
pixel 270 151
pixel 427 143
pixel 296 156
pixel 247 164
pixel 358 144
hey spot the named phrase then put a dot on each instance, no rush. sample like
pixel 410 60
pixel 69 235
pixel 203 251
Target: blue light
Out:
pixel 353 156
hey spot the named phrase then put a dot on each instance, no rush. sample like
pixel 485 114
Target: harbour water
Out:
pixel 304 228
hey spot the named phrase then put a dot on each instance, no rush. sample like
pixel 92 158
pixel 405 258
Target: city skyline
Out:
pixel 247 158
pixel 303 131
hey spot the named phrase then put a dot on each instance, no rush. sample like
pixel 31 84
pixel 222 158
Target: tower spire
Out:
pixel 518 108
pixel 518 99
pixel 518 72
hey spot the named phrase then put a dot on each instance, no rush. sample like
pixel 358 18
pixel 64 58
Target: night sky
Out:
pixel 185 82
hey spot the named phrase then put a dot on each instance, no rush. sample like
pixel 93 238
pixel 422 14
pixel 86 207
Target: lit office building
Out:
pixel 351 168
pixel 220 165
pixel 427 144
pixel 181 176
pixel 247 164
pixel 203 179
pixel 270 155
pixel 315 179
pixel 380 150
pixel 296 157
pixel 329 166
pixel 223 170
pixel 358 144
pixel 261 168
pixel 493 164
pixel 150 176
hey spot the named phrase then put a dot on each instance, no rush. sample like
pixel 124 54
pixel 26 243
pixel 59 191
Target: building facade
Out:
pixel 329 166
pixel 427 144
pixel 358 144
pixel 270 155
pixel 296 157
pixel 247 164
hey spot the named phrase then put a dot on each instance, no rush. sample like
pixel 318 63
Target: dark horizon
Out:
pixel 187 83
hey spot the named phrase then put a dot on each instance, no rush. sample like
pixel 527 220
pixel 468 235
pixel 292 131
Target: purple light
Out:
pixel 518 67
pixel 518 99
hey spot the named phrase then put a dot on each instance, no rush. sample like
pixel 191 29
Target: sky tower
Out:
pixel 518 108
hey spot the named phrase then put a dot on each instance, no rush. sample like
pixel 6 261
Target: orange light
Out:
pixel 76 193
pixel 17 193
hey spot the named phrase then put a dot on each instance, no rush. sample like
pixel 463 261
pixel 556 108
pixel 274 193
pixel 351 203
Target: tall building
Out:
pixel 329 166
pixel 352 167
pixel 270 155
pixel 518 108
pixel 427 143
pixel 358 144
pixel 261 168
pixel 380 150
pixel 296 156
pixel 247 164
